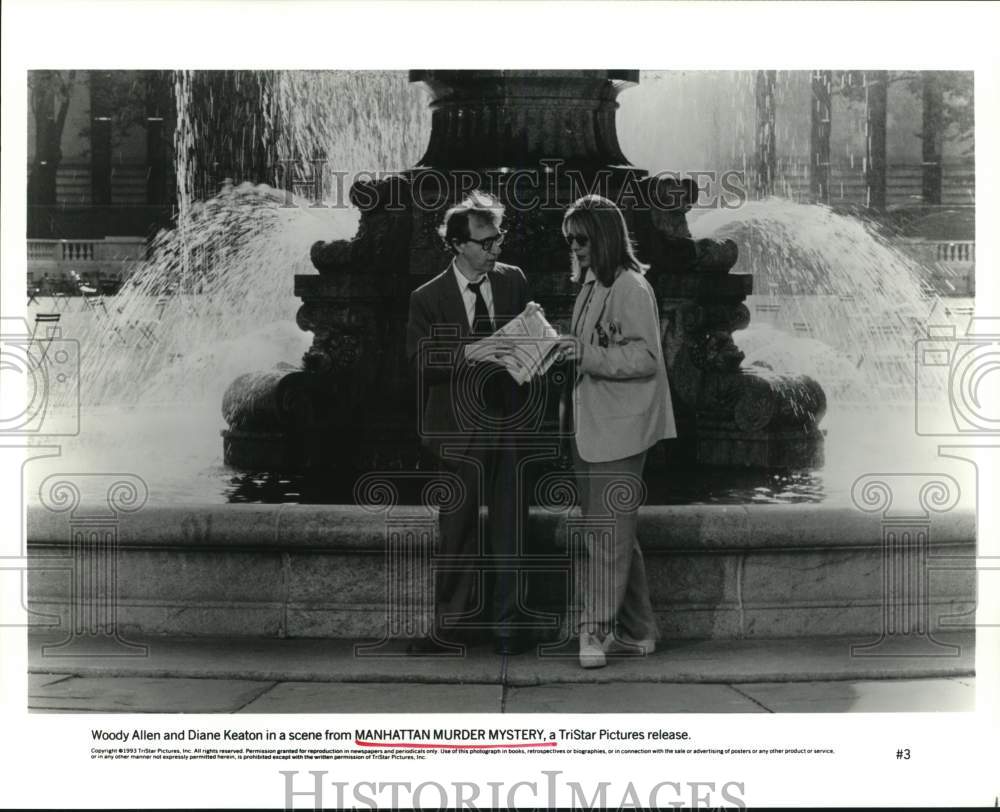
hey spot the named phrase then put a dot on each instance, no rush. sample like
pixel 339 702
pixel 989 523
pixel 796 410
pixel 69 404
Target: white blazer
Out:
pixel 622 398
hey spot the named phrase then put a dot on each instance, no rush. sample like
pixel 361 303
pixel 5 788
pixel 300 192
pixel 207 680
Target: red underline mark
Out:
pixel 421 745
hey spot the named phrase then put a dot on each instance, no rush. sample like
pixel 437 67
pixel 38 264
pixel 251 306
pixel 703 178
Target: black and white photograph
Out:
pixel 512 418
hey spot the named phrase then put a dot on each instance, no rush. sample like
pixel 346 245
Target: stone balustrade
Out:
pixel 951 264
pixel 959 252
pixel 109 257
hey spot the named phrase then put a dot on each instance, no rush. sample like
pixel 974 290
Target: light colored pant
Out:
pixel 611 582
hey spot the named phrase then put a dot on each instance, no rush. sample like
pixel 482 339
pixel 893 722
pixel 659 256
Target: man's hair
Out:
pixel 455 228
pixel 610 248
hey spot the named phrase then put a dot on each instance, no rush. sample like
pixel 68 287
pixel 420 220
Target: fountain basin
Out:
pixel 321 571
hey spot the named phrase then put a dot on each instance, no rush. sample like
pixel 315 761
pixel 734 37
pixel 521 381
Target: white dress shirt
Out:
pixel 470 296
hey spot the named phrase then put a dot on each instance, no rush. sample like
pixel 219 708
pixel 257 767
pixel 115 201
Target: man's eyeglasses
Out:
pixel 579 239
pixel 488 243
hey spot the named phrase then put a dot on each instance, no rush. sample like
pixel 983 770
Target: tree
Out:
pixel 819 136
pixel 120 102
pixel 227 131
pixel 49 94
pixel 956 117
pixel 764 138
pixel 948 113
pixel 931 135
pixel 876 116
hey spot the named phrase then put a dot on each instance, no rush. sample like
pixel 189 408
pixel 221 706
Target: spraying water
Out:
pixel 685 121
pixel 835 299
pixel 354 121
pixel 214 300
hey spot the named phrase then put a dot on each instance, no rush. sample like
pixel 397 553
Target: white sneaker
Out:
pixel 626 645
pixel 591 652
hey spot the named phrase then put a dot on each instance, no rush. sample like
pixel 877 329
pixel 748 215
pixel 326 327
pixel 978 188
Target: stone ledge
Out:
pixel 323 571
pixel 348 527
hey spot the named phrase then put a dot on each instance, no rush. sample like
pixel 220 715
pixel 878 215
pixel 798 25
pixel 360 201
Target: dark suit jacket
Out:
pixel 436 332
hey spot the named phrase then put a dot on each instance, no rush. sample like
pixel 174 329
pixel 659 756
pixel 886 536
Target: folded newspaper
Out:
pixel 526 346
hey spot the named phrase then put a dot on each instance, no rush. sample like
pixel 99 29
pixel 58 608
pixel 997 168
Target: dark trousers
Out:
pixel 477 579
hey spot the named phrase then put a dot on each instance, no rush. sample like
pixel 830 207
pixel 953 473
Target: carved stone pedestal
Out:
pixel 536 140
pixel 728 414
pixel 352 406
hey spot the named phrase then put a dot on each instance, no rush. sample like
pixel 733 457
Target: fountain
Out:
pixel 536 138
pixel 187 563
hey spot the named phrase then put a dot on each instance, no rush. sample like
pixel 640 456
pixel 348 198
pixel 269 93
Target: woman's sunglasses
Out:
pixel 579 239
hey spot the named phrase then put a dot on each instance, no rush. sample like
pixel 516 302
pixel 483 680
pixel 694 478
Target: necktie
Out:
pixel 482 324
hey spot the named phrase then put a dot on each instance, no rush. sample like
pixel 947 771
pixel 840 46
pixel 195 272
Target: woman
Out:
pixel 621 407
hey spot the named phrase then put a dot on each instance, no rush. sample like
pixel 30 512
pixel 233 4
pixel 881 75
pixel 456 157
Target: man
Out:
pixel 468 410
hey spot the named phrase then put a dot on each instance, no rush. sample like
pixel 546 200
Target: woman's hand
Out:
pixel 570 348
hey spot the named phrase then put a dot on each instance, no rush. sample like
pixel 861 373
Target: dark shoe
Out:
pixel 512 645
pixel 466 637
pixel 426 646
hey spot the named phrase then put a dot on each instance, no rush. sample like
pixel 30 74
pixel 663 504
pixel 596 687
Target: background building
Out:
pixel 897 146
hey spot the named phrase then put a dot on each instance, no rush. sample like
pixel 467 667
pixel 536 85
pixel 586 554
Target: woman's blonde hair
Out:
pixel 610 247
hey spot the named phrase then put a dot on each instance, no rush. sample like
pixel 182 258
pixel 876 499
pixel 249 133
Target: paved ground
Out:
pixel 232 675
